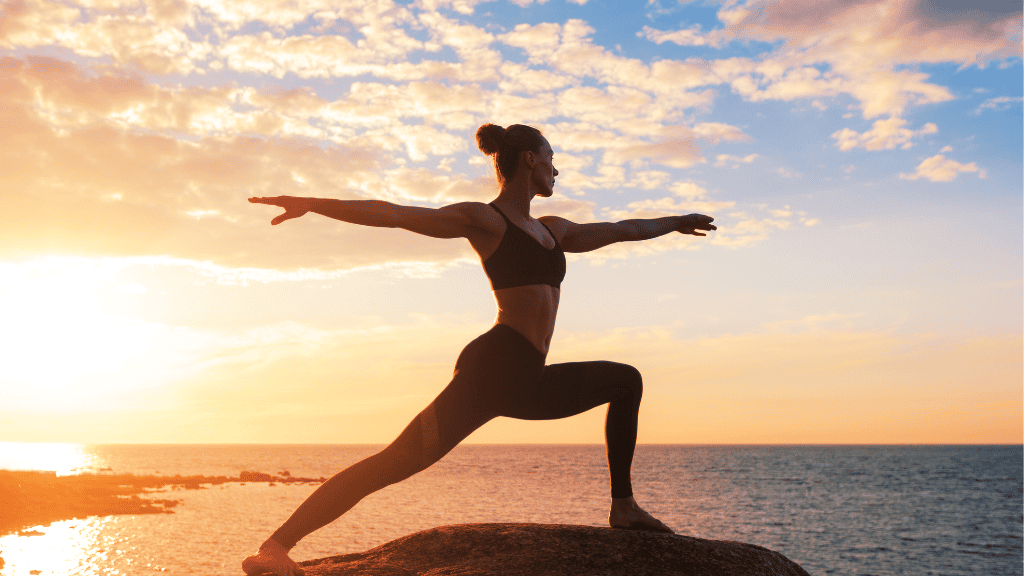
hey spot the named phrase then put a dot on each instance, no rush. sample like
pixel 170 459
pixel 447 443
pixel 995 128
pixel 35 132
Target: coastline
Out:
pixel 34 498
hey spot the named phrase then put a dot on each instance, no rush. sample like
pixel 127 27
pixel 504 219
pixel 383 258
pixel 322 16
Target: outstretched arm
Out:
pixel 454 221
pixel 587 237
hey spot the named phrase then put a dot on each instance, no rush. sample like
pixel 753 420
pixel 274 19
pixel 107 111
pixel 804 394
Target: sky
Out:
pixel 862 160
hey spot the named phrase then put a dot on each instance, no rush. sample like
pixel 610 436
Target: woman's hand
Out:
pixel 293 206
pixel 690 223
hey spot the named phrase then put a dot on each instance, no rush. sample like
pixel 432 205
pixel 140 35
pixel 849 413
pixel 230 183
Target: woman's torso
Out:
pixel 528 309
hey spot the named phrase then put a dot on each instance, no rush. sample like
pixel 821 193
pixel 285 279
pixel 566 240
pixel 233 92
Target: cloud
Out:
pixel 902 31
pixel 833 47
pixel 285 14
pixel 673 146
pixel 667 206
pixel 735 229
pixel 686 37
pixel 132 192
pixel 568 49
pixel 572 209
pixel 723 160
pixel 404 185
pixel 520 78
pixel 940 169
pixel 677 151
pixel 997 104
pixel 883 135
pixel 145 142
pixel 149 40
pixel 717 132
pixel 648 179
pixel 602 106
pixel 831 322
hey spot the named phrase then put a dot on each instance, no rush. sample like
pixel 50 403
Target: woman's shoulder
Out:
pixel 480 215
pixel 556 224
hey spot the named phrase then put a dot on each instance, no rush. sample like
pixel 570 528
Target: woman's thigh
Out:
pixel 572 388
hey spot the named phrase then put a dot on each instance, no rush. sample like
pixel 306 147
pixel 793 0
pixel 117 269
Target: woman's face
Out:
pixel 544 171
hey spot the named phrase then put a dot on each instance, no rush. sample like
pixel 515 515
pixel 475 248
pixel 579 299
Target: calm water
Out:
pixel 851 510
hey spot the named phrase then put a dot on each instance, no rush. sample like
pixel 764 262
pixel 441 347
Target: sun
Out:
pixel 56 336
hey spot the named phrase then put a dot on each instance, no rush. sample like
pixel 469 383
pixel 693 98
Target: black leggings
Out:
pixel 498 374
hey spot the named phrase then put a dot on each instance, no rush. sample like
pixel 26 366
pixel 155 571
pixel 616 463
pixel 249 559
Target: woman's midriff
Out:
pixel 529 310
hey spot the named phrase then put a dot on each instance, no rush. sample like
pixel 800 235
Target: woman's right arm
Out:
pixel 454 221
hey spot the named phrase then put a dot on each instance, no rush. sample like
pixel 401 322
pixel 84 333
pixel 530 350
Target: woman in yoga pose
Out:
pixel 502 372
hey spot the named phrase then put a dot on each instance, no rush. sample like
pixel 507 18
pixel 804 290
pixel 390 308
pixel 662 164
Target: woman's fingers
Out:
pixel 288 215
pixel 694 222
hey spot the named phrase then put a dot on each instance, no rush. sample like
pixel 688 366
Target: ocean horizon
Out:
pixel 864 509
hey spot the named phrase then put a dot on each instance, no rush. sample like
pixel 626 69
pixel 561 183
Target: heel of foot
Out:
pixel 264 563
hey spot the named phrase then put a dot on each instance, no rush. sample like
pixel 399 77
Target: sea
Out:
pixel 848 510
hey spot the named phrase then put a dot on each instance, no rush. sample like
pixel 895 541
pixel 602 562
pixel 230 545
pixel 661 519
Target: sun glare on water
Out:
pixel 64 459
pixel 69 547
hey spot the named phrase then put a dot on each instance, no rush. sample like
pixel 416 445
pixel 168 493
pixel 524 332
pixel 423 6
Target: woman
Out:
pixel 501 373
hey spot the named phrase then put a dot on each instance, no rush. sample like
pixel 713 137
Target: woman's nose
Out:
pixel 556 170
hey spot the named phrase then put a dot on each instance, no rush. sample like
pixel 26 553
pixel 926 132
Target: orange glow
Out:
pixel 65 548
pixel 55 334
pixel 64 459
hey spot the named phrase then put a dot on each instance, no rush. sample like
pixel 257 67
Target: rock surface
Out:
pixel 546 549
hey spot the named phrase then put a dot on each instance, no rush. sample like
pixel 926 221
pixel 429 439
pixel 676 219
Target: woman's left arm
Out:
pixel 587 237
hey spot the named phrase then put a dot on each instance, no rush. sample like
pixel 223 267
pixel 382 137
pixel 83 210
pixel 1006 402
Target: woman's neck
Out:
pixel 515 198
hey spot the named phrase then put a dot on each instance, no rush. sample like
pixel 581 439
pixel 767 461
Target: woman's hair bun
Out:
pixel 489 138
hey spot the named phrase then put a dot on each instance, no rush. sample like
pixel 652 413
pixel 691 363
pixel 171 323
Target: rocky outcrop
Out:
pixel 543 549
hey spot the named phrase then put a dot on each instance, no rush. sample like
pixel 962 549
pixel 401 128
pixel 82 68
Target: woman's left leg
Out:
pixel 571 388
pixel 574 387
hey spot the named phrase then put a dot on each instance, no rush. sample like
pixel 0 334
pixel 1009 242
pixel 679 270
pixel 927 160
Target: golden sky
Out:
pixel 862 160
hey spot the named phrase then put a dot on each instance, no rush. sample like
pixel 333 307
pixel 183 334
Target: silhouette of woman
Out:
pixel 502 372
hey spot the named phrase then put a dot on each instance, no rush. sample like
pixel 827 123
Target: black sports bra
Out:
pixel 522 261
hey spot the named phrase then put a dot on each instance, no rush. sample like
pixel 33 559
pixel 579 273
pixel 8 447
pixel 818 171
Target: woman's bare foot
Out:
pixel 628 515
pixel 272 558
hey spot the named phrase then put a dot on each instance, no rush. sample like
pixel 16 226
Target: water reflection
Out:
pixel 66 547
pixel 64 459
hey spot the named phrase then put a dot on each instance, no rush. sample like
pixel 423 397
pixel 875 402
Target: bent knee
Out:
pixel 632 381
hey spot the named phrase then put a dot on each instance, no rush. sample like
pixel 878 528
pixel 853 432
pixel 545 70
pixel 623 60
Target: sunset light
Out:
pixel 480 286
pixel 861 161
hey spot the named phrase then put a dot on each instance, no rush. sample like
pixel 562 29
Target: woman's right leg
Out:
pixel 423 442
pixel 485 368
pixel 467 403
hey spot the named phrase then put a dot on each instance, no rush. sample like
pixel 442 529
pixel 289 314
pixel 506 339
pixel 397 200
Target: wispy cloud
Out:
pixel 997 104
pixel 938 168
pixel 883 135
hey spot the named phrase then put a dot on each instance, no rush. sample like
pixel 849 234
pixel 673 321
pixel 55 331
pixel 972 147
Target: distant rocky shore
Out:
pixel 543 549
pixel 31 498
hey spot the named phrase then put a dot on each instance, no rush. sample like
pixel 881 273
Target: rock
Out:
pixel 550 549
